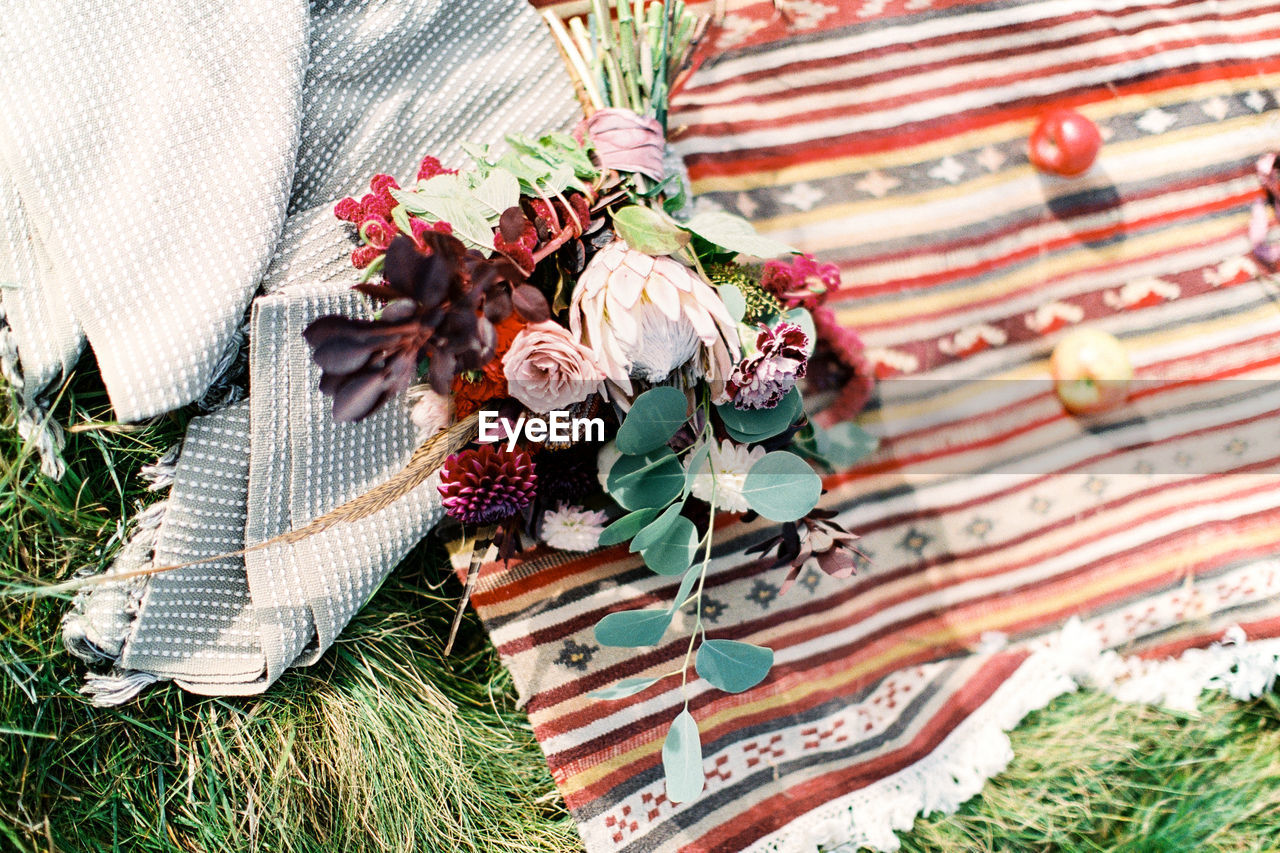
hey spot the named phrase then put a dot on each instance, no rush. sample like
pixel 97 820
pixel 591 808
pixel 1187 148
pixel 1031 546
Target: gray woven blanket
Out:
pixel 188 159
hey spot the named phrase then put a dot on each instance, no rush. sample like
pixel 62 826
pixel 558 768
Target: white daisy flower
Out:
pixel 572 528
pixel 726 466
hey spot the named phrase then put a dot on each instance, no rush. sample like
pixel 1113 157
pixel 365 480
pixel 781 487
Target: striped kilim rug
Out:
pixel 1009 544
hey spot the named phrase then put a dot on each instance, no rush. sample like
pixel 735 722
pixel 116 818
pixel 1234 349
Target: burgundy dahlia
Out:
pixel 761 381
pixel 487 485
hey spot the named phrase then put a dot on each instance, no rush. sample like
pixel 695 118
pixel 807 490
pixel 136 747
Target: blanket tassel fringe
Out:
pixel 979 748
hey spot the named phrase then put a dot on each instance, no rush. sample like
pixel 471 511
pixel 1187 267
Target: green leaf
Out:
pixel 627 526
pixel 648 231
pixel 735 234
pixel 652 480
pixel 448 198
pixel 624 688
pixel 733 666
pixel 633 628
pixel 400 217
pixel 654 418
pixel 686 587
pixel 733 302
pixel 781 486
pixel 682 759
pixel 847 443
pixel 752 425
pixel 497 192
pixel 673 553
pixel 657 528
pixel 694 465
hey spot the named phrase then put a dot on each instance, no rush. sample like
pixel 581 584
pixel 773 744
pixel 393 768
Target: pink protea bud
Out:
pixel 627 142
pixel 364 255
pixel 377 232
pixel 487 485
pixel 431 167
pixel 349 210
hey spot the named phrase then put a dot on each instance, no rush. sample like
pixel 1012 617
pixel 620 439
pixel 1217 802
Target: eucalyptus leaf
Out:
pixel 733 666
pixel 657 529
pixel 652 480
pixel 626 527
pixel 686 587
pixel 781 486
pixel 847 443
pixel 735 234
pixel 734 303
pixel 654 418
pixel 624 688
pixel 694 465
pixel 632 628
pixel 673 552
pixel 646 230
pixel 682 759
pixel 752 425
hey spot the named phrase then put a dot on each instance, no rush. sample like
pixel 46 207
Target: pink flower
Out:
pixel 800 281
pixel 761 381
pixel 430 411
pixel 626 141
pixel 546 369
pixel 487 485
pixel 431 167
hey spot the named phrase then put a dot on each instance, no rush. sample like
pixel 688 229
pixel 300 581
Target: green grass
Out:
pixel 387 746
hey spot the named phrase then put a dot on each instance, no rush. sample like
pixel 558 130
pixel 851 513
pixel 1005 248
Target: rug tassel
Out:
pixel 116 688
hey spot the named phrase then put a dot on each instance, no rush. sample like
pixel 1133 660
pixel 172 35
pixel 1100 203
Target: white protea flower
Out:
pixel 645 317
pixel 572 528
pixel 726 467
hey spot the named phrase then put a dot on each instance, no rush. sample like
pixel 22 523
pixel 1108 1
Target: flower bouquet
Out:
pixel 589 364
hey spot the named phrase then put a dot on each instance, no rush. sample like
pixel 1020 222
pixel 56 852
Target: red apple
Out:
pixel 1064 143
pixel 1091 371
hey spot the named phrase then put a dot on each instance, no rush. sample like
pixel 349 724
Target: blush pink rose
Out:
pixel 547 369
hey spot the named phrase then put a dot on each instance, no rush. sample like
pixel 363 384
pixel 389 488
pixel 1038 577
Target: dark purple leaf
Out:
pixel 441 371
pixel 359 397
pixel 398 311
pixel 342 355
pixel 530 303
pixel 497 306
pixel 512 223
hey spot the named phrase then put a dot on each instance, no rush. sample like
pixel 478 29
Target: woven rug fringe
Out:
pixel 35 425
pixel 979 747
pixel 97 626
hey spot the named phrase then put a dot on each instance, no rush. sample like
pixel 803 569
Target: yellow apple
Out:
pixel 1091 371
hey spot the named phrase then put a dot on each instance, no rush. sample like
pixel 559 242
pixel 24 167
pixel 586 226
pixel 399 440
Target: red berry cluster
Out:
pixel 371 214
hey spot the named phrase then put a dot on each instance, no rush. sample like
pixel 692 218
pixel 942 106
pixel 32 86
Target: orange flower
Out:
pixel 474 388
